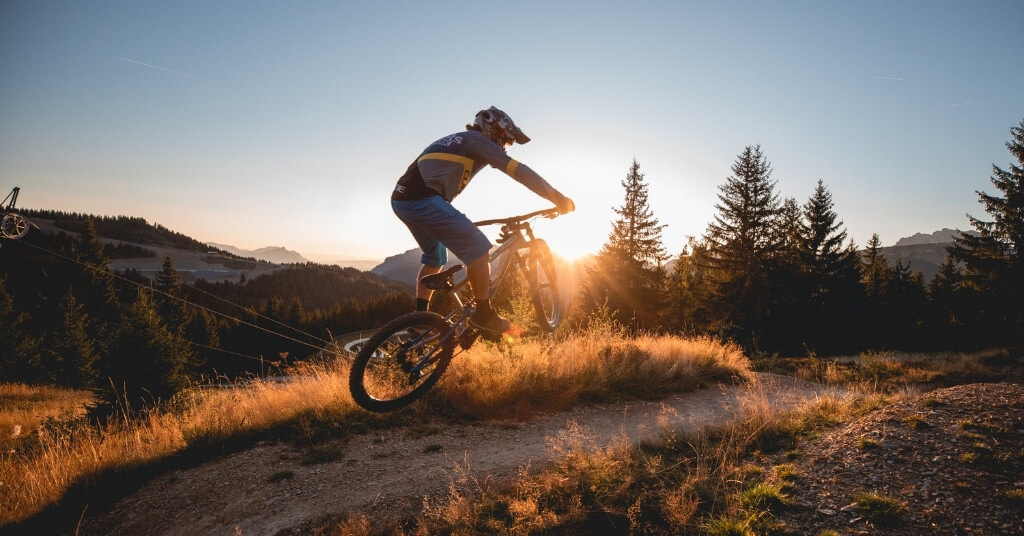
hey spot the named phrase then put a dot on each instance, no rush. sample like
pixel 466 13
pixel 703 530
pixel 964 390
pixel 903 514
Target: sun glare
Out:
pixel 570 239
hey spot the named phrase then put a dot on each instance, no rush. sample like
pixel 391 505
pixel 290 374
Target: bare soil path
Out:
pixel 265 490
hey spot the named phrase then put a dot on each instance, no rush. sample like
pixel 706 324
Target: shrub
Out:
pixel 881 510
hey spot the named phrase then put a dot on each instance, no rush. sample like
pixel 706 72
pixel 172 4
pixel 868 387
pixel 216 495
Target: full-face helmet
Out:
pixel 498 126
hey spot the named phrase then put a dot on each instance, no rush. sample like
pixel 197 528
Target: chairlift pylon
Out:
pixel 13 225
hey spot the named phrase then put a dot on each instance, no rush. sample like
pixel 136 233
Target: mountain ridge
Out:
pixel 275 254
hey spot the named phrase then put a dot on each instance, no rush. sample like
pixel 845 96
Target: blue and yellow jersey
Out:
pixel 446 166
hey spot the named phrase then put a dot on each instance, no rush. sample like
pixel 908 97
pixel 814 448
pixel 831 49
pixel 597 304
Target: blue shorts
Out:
pixel 436 225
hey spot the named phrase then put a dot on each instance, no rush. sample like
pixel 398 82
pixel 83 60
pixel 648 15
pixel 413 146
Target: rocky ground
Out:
pixel 951 461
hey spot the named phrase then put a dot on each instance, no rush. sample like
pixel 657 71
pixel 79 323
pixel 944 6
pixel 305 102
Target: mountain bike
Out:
pixel 406 357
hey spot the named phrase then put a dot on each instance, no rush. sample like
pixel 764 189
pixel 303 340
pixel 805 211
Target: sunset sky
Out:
pixel 287 123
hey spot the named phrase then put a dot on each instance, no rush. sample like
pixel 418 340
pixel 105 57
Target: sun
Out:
pixel 571 239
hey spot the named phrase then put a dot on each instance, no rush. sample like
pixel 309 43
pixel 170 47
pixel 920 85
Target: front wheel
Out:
pixel 540 273
pixel 401 362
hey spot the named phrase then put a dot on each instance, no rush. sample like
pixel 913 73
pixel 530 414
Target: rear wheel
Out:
pixel 401 362
pixel 540 273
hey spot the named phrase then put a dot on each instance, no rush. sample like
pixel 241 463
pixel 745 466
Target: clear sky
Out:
pixel 287 123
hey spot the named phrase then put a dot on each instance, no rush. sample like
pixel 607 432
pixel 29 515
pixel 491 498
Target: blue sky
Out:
pixel 274 123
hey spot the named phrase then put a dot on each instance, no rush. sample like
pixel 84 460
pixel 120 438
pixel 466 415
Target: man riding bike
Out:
pixel 422 200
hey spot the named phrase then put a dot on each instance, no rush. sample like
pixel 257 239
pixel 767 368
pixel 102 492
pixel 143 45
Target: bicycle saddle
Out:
pixel 438 280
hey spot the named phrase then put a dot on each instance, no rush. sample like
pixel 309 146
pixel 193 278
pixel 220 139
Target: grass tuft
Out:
pixel 1016 497
pixel 765 497
pixel 330 452
pixel 868 443
pixel 280 476
pixel 881 510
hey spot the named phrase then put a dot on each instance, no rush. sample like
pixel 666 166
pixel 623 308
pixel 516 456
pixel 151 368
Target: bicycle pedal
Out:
pixel 468 338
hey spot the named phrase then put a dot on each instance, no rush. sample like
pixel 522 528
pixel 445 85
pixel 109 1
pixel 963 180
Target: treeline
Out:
pixel 126 228
pixel 780 276
pixel 66 319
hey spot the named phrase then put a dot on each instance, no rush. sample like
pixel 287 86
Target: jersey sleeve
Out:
pixel 494 156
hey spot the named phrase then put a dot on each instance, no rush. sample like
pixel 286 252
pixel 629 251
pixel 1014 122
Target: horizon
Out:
pixel 258 125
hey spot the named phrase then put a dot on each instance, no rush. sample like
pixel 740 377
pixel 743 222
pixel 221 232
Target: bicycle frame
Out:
pixel 511 241
pixel 516 234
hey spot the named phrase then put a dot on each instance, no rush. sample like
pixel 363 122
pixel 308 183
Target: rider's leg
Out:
pixel 484 318
pixel 479 276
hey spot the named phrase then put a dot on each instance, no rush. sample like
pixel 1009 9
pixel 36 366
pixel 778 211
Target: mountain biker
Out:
pixel 422 200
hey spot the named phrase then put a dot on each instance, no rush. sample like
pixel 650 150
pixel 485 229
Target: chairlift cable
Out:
pixel 207 309
pixel 253 311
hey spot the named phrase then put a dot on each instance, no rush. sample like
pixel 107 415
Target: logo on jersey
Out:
pixel 448 141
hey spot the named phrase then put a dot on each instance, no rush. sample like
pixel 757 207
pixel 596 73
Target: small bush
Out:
pixel 915 422
pixel 764 497
pixel 868 443
pixel 281 475
pixel 331 452
pixel 968 458
pixel 1016 497
pixel 787 473
pixel 932 402
pixel 881 510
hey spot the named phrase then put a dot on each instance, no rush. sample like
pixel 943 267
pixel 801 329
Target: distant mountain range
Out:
pixel 274 254
pixel 359 264
pixel 944 236
pixel 922 252
pixel 402 267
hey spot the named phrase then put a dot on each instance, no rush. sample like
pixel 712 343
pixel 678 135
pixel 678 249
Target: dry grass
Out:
pixel 601 364
pixel 24 408
pixel 518 379
pixel 894 371
pixel 694 483
pixel 38 477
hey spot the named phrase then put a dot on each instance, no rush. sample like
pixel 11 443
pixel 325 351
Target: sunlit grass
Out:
pixel 38 477
pixel 598 365
pixel 521 379
pixel 23 408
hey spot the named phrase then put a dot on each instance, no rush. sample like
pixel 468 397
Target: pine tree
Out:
pixel 686 297
pixel 946 307
pixel 875 270
pixel 19 356
pixel 830 274
pixel 168 298
pixel 147 362
pixel 741 244
pixel 994 259
pixel 96 285
pixel 628 276
pixel 71 354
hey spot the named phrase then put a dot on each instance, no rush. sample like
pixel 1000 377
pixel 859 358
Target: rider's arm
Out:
pixel 530 179
pixel 499 159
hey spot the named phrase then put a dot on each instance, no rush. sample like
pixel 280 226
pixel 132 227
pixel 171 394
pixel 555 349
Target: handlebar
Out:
pixel 547 213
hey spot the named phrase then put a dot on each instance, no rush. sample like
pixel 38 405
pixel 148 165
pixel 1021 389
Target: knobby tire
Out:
pixel 387 340
pixel 541 277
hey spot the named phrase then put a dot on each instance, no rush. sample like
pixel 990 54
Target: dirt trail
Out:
pixel 395 469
